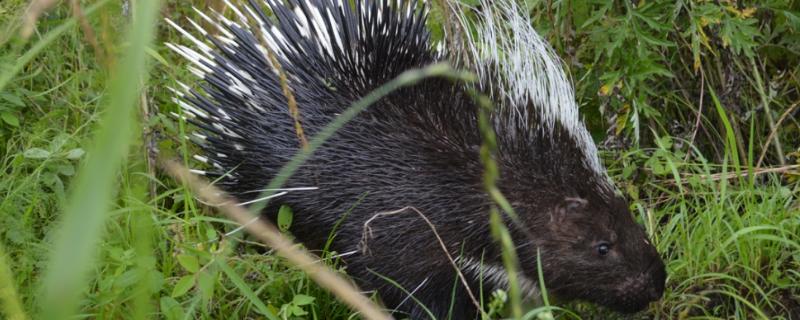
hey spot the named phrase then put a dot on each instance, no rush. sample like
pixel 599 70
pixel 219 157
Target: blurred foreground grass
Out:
pixel 726 218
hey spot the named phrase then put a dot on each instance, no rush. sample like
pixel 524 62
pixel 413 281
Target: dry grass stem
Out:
pixel 284 81
pixel 287 91
pixel 270 235
pixel 88 32
pixel 774 131
pixel 699 113
pixel 732 175
pixel 35 10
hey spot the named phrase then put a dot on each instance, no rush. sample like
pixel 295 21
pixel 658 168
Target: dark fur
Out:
pixel 419 148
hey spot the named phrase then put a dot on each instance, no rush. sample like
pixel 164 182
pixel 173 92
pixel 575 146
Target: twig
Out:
pixel 367 233
pixel 699 112
pixel 269 234
pixel 774 131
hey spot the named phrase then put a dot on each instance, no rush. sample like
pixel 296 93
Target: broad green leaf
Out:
pixel 10 118
pixel 36 153
pixel 189 263
pixel 13 99
pixel 285 217
pixel 301 299
pixel 75 153
pixel 183 286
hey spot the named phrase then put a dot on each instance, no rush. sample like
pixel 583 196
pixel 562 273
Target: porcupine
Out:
pixel 418 147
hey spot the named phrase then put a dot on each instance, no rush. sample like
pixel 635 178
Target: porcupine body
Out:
pixel 418 147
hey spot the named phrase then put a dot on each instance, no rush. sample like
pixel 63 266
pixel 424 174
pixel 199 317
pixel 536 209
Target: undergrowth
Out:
pixel 694 102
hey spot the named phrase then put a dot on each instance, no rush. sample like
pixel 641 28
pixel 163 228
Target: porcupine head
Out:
pixel 416 147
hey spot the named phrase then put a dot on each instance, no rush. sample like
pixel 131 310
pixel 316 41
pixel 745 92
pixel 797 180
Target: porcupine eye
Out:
pixel 603 248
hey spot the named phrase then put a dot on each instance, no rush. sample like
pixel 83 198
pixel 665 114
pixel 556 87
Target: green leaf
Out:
pixel 58 142
pixel 301 300
pixel 75 153
pixel 296 310
pixel 189 263
pixel 171 309
pixel 66 170
pixel 792 18
pixel 285 218
pixel 13 99
pixel 183 286
pixel 205 282
pixel 739 35
pixel 36 153
pixel 627 171
pixel 10 118
pixel 653 40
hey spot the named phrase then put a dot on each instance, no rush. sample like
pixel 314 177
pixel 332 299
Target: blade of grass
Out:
pixel 762 93
pixel 142 228
pixel 9 299
pixel 245 290
pixel 732 148
pixel 65 278
pixel 491 174
pixel 510 262
pixel 23 60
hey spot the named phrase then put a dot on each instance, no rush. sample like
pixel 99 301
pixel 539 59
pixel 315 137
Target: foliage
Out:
pixel 685 96
pixel 647 68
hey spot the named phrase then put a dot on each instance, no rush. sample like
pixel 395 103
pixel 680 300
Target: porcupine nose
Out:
pixel 658 277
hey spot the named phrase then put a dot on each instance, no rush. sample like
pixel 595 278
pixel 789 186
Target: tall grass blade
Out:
pixel 245 290
pixel 65 278
pixel 142 227
pixel 10 304
pixel 730 136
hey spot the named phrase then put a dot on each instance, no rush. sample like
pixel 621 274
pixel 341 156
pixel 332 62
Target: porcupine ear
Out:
pixel 526 80
pixel 568 206
pixel 332 53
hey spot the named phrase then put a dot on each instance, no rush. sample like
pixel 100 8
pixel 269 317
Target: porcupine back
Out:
pixel 332 55
pixel 417 147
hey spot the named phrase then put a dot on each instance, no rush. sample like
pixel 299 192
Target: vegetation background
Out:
pixel 695 104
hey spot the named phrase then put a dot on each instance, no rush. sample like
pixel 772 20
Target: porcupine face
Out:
pixel 589 244
pixel 593 250
pixel 590 247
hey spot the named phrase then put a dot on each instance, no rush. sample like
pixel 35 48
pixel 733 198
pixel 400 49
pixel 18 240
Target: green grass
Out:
pixel 732 245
